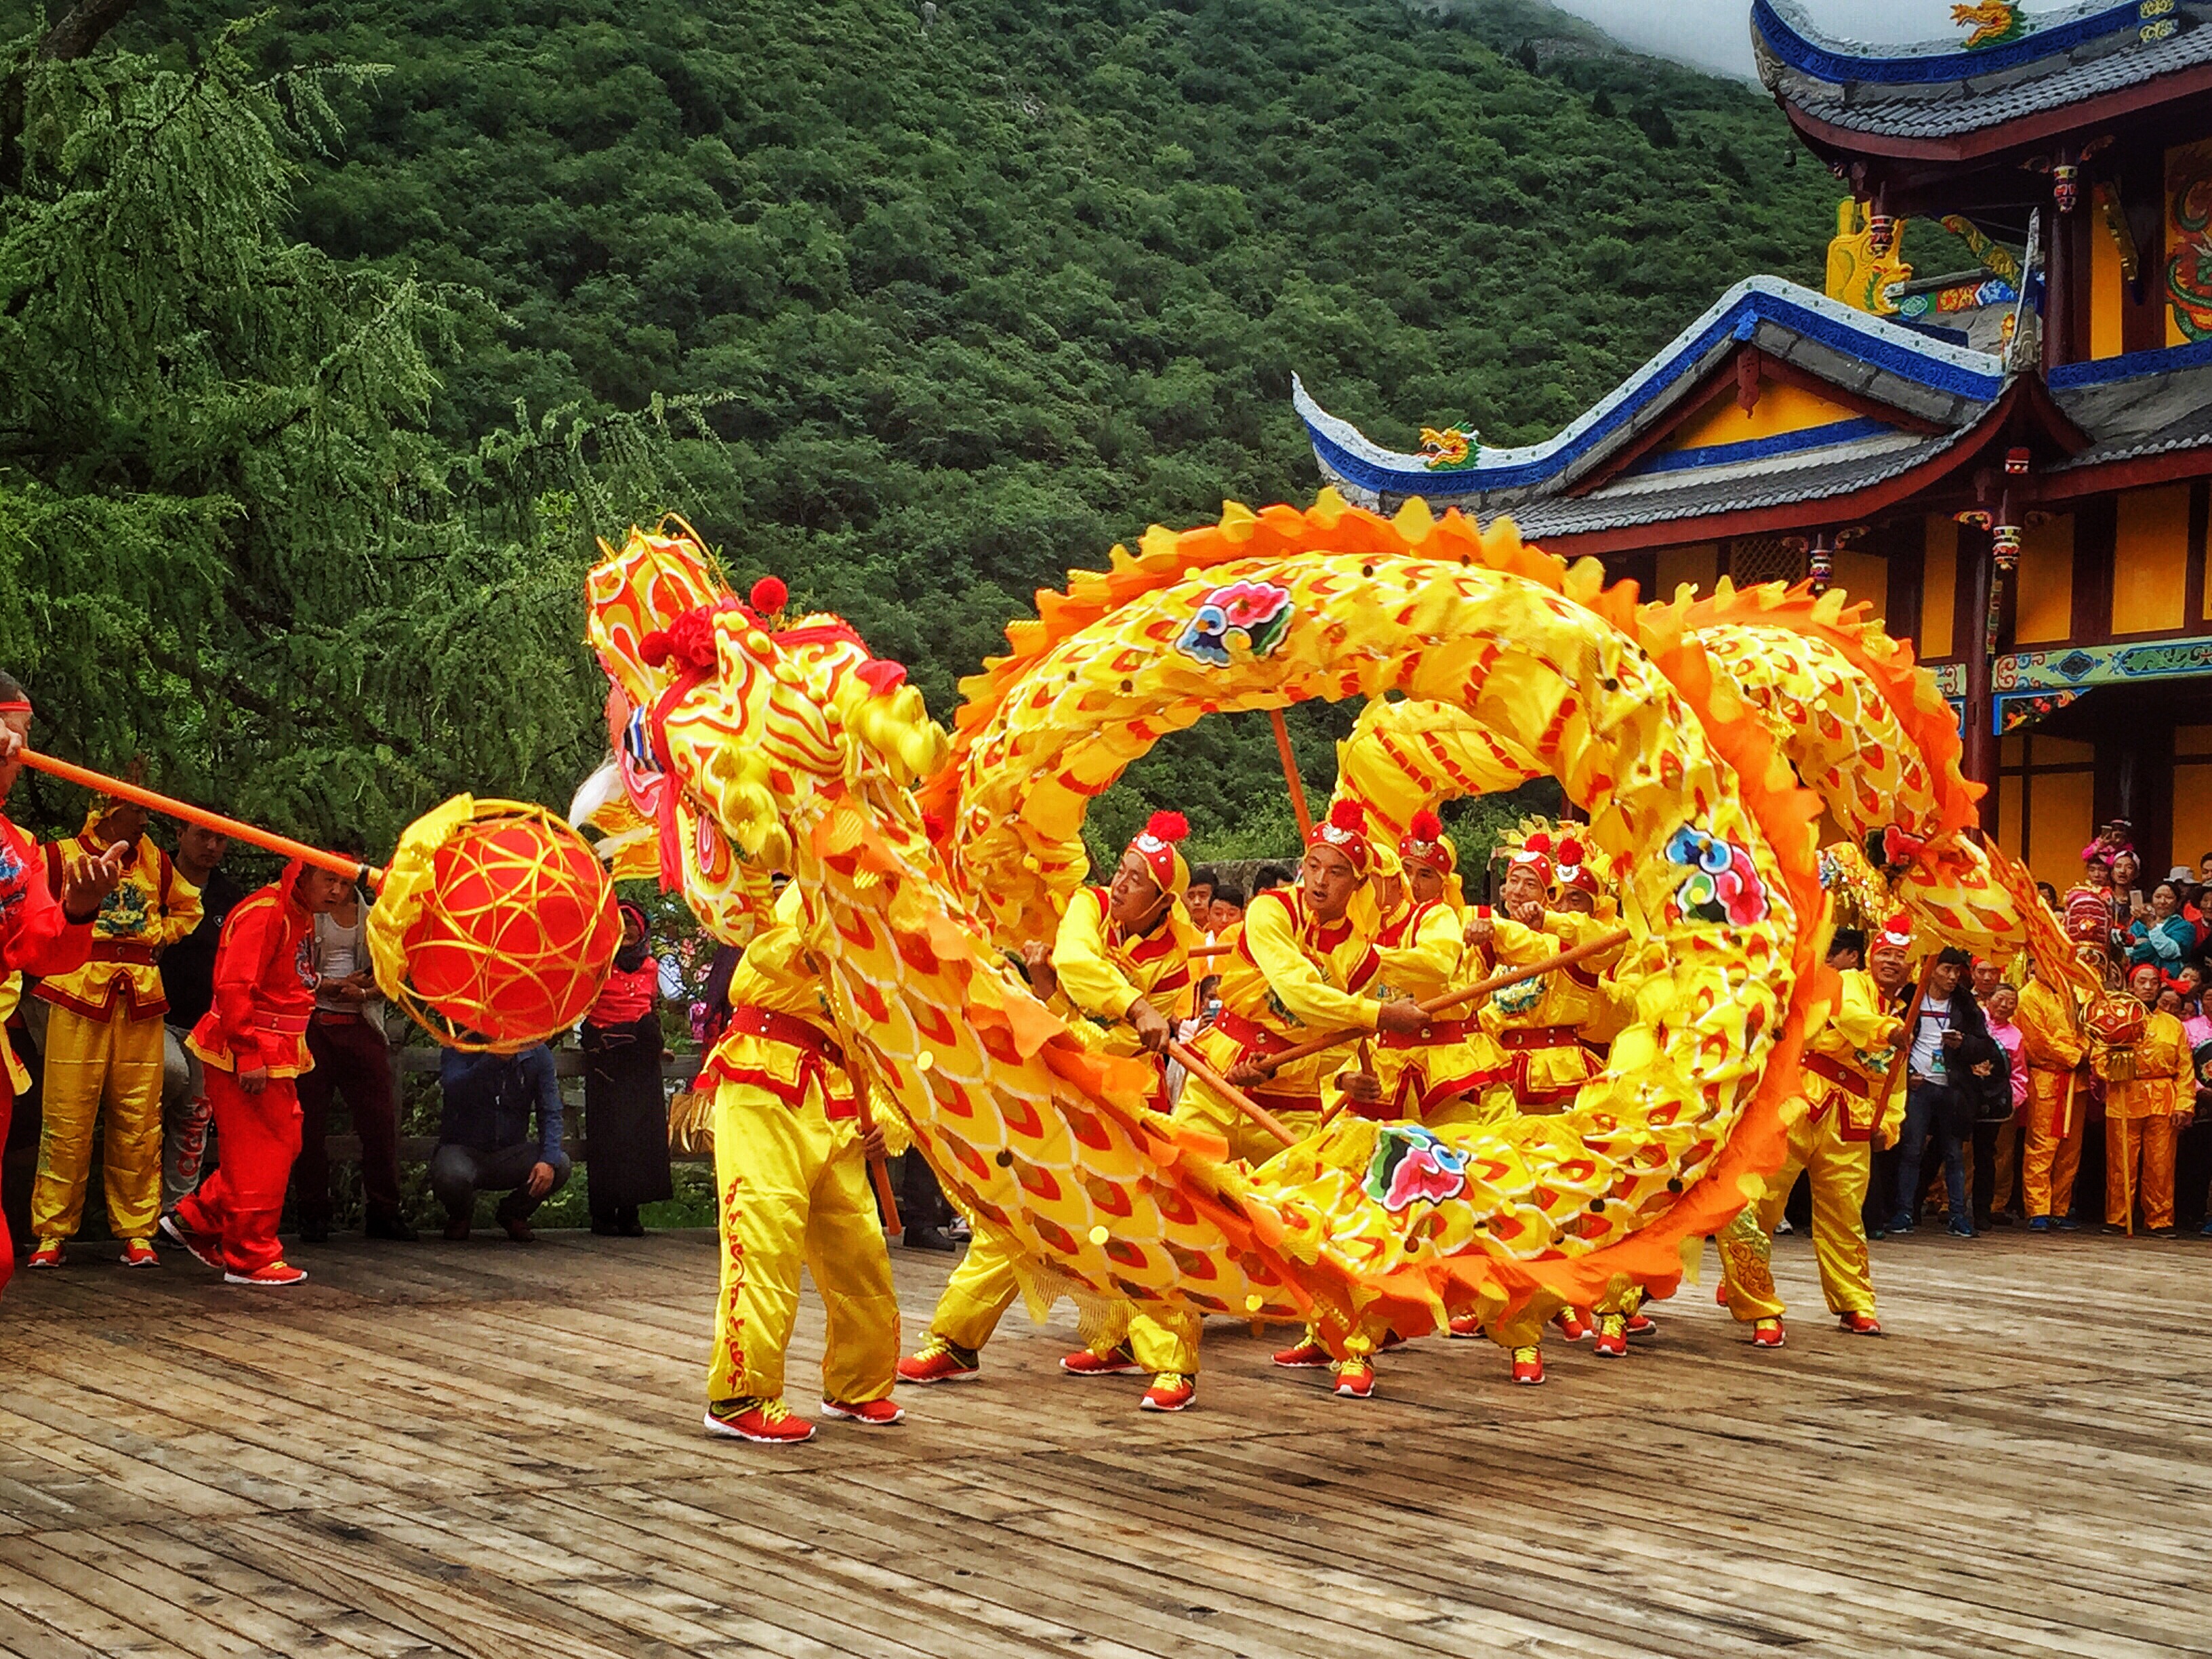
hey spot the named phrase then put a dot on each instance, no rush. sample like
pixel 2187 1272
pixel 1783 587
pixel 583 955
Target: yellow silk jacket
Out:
pixel 1102 975
pixel 2160 1066
pixel 151 906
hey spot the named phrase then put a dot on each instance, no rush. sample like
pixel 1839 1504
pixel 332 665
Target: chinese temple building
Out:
pixel 2011 462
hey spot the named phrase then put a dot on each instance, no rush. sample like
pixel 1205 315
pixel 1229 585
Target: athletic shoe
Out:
pixel 2066 1224
pixel 1640 1325
pixel 2162 1233
pixel 1767 1334
pixel 1528 1367
pixel 1355 1379
pixel 1962 1229
pixel 1464 1326
pixel 1306 1357
pixel 48 1254
pixel 2039 1224
pixel 1170 1392
pixel 137 1253
pixel 1720 1292
pixel 277 1275
pixel 768 1422
pixel 204 1248
pixel 1612 1337
pixel 1858 1324
pixel 2205 1231
pixel 1900 1223
pixel 1121 1362
pixel 939 1361
pixel 869 1413
pixel 1571 1324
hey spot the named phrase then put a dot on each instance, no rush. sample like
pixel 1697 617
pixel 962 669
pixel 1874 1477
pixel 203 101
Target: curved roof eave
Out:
pixel 1975 377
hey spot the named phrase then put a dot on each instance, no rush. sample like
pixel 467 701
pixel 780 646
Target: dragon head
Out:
pixel 743 737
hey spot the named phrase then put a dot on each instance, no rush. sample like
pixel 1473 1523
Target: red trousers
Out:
pixel 257 1138
pixel 7 1114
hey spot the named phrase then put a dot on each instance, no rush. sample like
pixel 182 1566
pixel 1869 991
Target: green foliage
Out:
pixel 962 305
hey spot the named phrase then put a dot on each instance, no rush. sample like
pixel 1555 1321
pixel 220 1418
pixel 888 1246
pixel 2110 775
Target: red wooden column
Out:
pixel 1979 762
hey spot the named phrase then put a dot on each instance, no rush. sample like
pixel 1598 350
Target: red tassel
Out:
pixel 1349 817
pixel 1426 827
pixel 1167 826
pixel 770 595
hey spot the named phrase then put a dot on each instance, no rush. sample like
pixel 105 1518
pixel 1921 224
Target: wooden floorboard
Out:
pixel 486 1449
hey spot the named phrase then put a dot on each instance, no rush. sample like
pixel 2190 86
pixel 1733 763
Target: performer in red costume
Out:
pixel 41 933
pixel 253 1043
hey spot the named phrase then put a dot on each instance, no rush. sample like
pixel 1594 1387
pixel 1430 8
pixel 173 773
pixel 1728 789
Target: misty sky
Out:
pixel 1716 33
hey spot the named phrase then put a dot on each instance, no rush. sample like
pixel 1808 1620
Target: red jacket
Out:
pixel 35 936
pixel 264 985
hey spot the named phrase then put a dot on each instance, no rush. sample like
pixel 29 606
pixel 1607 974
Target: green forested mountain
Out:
pixel 962 293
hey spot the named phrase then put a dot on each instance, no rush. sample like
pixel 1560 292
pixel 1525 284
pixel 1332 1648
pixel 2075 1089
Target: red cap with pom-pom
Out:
pixel 1535 853
pixel 1573 872
pixel 1426 843
pixel 1344 830
pixel 1896 933
pixel 1155 845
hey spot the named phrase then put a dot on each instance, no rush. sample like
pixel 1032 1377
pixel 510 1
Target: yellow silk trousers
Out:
pixel 2139 1164
pixel 1839 1171
pixel 2048 1165
pixel 981 1288
pixel 794 1189
pixel 119 1061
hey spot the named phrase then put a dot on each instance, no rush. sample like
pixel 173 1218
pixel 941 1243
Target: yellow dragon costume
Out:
pixel 1674 727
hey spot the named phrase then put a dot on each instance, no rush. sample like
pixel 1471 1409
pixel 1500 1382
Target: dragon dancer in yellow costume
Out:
pixel 791 1167
pixel 1850 1105
pixel 1304 962
pixel 104 1042
pixel 1548 907
pixel 2055 1045
pixel 1121 958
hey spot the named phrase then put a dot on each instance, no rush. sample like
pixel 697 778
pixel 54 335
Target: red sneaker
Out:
pixel 137 1253
pixel 1642 1325
pixel 1466 1325
pixel 1859 1324
pixel 768 1422
pixel 870 1413
pixel 1170 1392
pixel 277 1273
pixel 48 1254
pixel 1768 1333
pixel 939 1361
pixel 1720 1292
pixel 1612 1337
pixel 1528 1367
pixel 1306 1357
pixel 1571 1324
pixel 1121 1362
pixel 206 1248
pixel 1355 1379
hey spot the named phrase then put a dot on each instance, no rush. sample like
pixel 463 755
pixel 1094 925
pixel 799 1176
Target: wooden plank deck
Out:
pixel 487 1450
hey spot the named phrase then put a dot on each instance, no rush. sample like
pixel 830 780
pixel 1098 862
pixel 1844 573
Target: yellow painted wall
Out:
pixel 2105 285
pixel 1863 576
pixel 1780 408
pixel 1699 565
pixel 2045 608
pixel 2061 824
pixel 2192 811
pixel 2009 801
pixel 2150 559
pixel 1939 585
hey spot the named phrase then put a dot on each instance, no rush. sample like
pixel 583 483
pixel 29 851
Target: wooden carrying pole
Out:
pixel 168 806
pixel 1298 785
pixel 1437 1005
pixel 879 1169
pixel 1243 1102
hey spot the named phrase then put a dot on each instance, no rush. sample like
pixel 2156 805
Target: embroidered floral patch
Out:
pixel 1257 615
pixel 1410 1165
pixel 1724 885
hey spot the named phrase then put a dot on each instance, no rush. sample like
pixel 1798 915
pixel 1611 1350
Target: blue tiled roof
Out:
pixel 1974 378
pixel 1789 36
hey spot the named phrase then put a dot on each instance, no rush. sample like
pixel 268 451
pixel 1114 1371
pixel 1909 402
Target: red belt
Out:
pixel 109 950
pixel 1840 1074
pixel 337 1017
pixel 1250 1037
pixel 808 1040
pixel 1435 1032
pixel 283 1025
pixel 1538 1037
